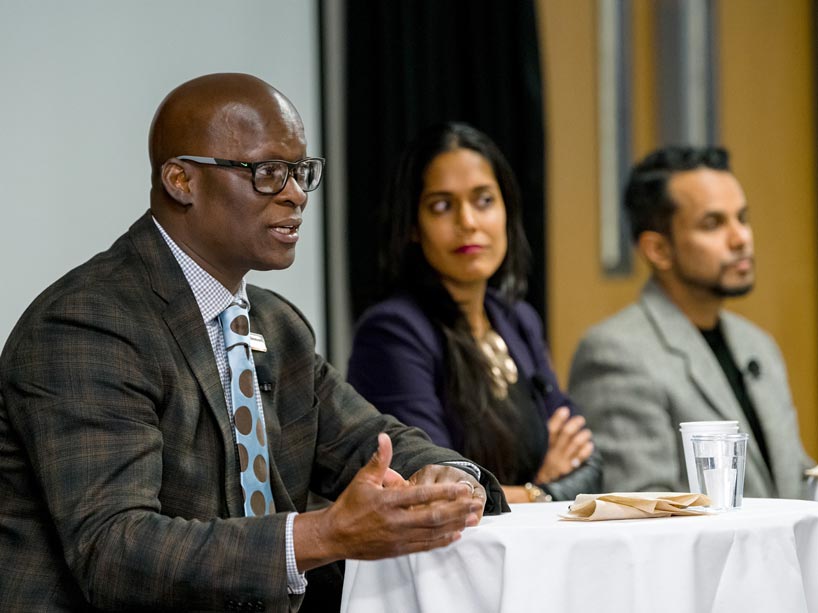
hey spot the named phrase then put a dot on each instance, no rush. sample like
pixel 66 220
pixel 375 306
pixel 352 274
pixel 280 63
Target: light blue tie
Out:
pixel 251 438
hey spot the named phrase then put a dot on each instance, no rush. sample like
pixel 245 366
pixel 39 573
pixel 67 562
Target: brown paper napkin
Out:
pixel 636 505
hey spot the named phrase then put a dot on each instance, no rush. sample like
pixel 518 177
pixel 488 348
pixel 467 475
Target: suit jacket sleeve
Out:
pixel 349 428
pixel 627 413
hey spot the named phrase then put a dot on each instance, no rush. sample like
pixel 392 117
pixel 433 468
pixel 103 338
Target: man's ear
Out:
pixel 177 182
pixel 657 249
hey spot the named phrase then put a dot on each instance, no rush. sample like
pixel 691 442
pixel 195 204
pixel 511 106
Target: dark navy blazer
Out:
pixel 397 364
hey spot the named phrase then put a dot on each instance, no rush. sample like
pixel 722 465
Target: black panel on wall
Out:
pixel 412 63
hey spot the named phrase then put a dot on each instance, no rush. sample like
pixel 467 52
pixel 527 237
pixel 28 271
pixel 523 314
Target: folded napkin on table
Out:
pixel 812 472
pixel 636 505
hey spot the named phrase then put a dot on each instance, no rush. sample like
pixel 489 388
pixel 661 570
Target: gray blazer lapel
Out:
pixel 185 324
pixel 680 336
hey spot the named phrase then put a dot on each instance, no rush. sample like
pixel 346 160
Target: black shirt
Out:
pixel 715 338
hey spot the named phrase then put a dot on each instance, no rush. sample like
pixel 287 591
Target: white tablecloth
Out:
pixel 763 557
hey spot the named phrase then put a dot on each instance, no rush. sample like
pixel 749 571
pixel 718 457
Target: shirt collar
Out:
pixel 211 296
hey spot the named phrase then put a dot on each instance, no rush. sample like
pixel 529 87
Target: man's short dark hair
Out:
pixel 647 201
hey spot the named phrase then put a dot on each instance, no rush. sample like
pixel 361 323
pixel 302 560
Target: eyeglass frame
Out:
pixel 251 166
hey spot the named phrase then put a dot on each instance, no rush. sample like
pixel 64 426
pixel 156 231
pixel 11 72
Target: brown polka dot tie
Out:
pixel 251 438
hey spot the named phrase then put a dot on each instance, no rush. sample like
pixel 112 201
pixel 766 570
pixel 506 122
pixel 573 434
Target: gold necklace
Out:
pixel 502 368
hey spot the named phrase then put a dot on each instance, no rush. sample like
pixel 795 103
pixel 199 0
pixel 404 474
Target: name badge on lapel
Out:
pixel 257 342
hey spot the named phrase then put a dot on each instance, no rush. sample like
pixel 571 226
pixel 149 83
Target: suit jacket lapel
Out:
pixel 680 336
pixel 185 324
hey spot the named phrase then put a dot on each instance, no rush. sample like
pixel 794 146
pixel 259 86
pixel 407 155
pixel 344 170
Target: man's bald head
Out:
pixel 214 212
pixel 220 115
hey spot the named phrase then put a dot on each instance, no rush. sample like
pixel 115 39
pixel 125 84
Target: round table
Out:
pixel 762 557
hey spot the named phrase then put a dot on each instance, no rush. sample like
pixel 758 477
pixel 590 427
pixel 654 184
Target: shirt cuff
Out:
pixel 469 467
pixel 296 581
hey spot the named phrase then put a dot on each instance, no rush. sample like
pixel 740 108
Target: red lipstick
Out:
pixel 469 249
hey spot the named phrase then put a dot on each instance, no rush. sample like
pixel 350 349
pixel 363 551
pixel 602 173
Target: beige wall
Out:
pixel 767 119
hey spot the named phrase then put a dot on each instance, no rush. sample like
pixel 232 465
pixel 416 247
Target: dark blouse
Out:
pixel 531 434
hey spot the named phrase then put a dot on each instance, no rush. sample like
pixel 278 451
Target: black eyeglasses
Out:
pixel 270 176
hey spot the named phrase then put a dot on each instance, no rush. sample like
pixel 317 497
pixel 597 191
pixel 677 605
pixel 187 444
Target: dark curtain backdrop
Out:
pixel 412 63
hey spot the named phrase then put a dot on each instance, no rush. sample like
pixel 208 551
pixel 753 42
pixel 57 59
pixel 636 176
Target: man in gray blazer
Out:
pixel 676 355
pixel 121 474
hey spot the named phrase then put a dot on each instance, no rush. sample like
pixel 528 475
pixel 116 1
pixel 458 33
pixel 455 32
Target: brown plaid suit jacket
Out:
pixel 119 484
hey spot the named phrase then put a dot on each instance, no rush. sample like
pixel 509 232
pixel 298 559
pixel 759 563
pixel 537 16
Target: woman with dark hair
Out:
pixel 454 350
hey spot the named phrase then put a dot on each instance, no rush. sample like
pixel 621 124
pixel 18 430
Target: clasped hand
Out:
pixel 381 514
pixel 569 445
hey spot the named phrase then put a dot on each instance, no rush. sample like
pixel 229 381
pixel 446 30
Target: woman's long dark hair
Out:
pixel 487 433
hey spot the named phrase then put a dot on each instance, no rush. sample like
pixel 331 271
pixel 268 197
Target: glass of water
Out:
pixel 720 462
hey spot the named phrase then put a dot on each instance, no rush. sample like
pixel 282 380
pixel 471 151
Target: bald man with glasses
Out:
pixel 144 464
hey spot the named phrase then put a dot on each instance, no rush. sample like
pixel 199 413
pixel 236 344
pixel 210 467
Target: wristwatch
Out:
pixel 536 494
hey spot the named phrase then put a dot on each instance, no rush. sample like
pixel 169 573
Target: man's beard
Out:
pixel 716 288
pixel 731 292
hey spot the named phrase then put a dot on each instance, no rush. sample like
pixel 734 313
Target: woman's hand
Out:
pixel 569 445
